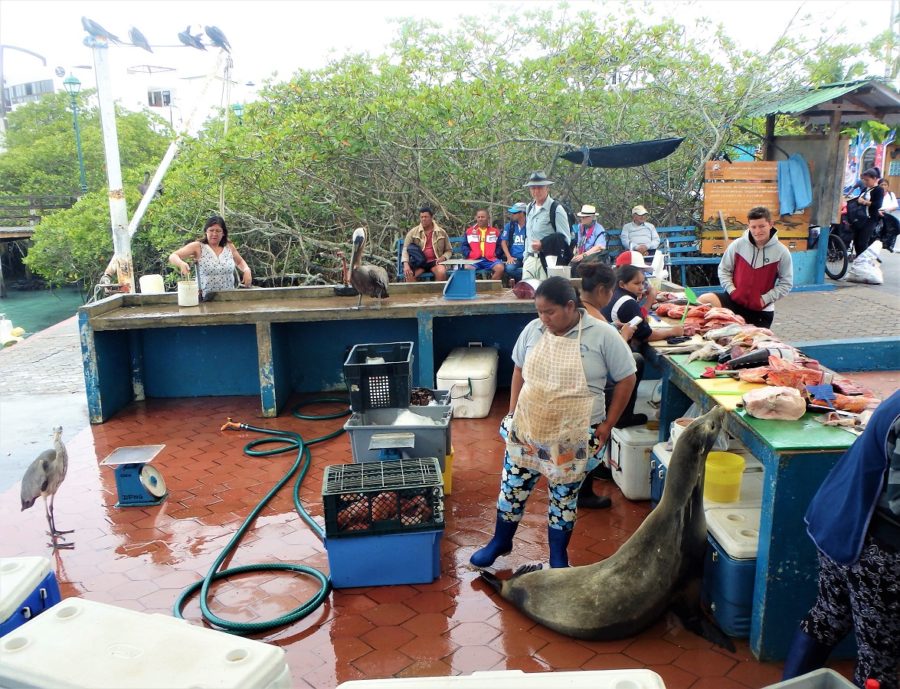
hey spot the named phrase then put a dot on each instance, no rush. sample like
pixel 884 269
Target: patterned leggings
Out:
pixel 516 484
pixel 864 596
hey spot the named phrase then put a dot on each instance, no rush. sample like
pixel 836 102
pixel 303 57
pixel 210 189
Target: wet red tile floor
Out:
pixel 142 557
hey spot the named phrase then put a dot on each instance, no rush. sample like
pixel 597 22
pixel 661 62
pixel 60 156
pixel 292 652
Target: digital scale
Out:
pixel 137 483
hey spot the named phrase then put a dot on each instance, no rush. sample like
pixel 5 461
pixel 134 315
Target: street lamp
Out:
pixel 73 87
pixel 238 109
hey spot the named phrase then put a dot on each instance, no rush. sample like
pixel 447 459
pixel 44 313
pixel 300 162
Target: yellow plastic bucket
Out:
pixel 724 471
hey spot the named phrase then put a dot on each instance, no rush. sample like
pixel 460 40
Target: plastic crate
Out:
pixel 375 435
pixel 441 398
pixel 383 497
pixel 385 559
pixel 378 376
pixel 817 679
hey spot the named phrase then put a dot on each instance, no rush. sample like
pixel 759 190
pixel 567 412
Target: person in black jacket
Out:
pixel 871 198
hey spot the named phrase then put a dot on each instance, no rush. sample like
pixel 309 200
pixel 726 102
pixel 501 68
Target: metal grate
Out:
pixel 402 473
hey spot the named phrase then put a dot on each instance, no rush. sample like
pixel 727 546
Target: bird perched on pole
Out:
pixel 218 38
pixel 98 32
pixel 366 279
pixel 190 40
pixel 138 40
pixel 145 185
pixel 43 478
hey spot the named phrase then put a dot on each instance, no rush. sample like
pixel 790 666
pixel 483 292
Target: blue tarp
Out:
pixel 794 185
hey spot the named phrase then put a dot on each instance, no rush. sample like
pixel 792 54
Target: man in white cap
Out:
pixel 590 235
pixel 544 218
pixel 639 235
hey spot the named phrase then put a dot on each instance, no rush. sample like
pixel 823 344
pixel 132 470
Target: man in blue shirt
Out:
pixel 512 241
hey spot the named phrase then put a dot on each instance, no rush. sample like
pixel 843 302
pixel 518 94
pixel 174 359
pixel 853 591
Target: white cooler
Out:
pixel 516 679
pixel 470 374
pixel 629 460
pixel 82 643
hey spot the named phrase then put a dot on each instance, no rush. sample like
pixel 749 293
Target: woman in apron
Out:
pixel 558 416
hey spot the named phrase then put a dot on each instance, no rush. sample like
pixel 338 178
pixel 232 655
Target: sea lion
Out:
pixel 656 568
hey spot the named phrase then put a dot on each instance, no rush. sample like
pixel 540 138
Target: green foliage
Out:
pixel 457 119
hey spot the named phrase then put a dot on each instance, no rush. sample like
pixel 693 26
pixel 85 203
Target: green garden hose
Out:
pixel 284 441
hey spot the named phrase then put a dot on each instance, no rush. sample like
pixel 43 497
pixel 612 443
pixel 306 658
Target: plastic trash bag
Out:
pixel 693 412
pixel 865 268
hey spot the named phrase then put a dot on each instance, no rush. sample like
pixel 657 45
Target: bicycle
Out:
pixel 837 259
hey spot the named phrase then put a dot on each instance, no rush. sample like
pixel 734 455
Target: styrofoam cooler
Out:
pixel 82 643
pixel 629 460
pixel 516 679
pixel 470 374
pixel 27 588
pixel 730 567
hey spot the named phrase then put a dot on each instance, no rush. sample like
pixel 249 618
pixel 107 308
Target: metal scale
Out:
pixel 137 483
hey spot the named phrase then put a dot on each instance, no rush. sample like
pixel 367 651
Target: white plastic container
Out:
pixel 629 460
pixel 188 293
pixel 152 284
pixel 751 494
pixel 470 374
pixel 80 644
pixel 516 679
pixel 824 678
pixel 559 271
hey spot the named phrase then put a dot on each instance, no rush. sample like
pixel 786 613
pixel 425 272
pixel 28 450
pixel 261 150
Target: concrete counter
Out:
pixel 273 342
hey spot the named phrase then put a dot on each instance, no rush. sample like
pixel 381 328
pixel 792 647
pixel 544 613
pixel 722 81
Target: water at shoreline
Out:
pixel 35 310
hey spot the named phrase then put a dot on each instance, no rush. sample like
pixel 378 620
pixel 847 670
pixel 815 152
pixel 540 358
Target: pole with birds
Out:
pixel 42 479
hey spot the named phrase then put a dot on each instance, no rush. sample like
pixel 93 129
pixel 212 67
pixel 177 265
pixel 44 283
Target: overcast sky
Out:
pixel 269 37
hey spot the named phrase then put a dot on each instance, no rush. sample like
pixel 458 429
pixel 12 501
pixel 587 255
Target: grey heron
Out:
pixel 43 478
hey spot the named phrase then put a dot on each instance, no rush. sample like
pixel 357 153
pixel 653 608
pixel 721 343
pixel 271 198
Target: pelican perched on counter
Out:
pixel 366 279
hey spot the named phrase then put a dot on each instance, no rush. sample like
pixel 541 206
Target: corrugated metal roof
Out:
pixel 873 100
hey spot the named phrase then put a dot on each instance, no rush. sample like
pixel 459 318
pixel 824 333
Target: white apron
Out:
pixel 553 412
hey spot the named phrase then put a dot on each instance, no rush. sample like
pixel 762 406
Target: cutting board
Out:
pixel 695 368
pixel 803 434
pixel 727 391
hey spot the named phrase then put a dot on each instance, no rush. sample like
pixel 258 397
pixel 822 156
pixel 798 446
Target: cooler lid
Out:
pixel 636 435
pixel 477 363
pixel 516 679
pixel 751 494
pixel 131 650
pixel 735 529
pixel 19 576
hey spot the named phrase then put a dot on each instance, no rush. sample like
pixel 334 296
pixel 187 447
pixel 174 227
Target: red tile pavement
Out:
pixel 141 558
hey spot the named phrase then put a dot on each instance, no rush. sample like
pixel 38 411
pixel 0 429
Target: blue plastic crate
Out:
pixel 385 560
pixel 27 590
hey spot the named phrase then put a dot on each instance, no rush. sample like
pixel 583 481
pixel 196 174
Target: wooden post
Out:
pixel 769 139
pixel 830 200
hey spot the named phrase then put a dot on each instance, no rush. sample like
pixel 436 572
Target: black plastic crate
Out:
pixel 400 496
pixel 379 376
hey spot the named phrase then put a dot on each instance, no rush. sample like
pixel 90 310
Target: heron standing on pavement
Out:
pixel 43 478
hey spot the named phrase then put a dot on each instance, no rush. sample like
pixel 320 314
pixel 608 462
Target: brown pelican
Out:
pixel 366 279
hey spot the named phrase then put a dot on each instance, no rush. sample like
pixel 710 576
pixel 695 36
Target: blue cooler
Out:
pixel 659 465
pixel 730 567
pixel 27 588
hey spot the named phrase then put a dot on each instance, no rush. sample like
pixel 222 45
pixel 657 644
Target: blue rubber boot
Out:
pixel 559 544
pixel 500 544
pixel 805 655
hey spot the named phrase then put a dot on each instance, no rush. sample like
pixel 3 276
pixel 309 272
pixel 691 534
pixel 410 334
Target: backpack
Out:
pixel 556 246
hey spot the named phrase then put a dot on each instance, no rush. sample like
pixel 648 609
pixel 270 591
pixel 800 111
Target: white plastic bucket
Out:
pixel 551 261
pixel 152 284
pixel 188 294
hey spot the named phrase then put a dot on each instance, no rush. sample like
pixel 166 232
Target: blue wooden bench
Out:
pixel 456 243
pixel 680 242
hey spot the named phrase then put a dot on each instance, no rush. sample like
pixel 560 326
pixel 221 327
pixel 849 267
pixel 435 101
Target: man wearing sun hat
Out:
pixel 544 219
pixel 639 235
pixel 590 235
pixel 512 241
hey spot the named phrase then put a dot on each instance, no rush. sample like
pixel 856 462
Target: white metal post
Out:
pixel 118 210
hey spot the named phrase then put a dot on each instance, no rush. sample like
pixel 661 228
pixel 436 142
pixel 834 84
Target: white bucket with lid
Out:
pixel 188 294
pixel 152 284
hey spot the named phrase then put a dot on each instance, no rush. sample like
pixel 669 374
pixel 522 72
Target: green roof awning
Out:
pixel 869 99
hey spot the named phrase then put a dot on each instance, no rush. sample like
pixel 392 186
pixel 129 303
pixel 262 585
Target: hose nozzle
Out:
pixel 230 425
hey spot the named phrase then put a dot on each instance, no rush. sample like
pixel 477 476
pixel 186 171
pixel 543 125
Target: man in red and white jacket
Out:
pixel 482 241
pixel 755 271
